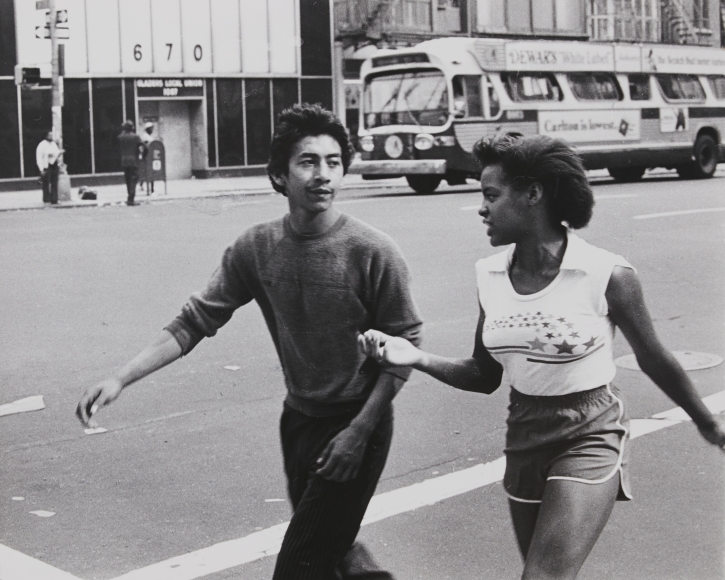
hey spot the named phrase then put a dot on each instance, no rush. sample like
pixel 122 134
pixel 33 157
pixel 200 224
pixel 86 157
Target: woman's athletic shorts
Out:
pixel 580 437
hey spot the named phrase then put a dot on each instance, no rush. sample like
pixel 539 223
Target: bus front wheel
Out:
pixel 423 183
pixel 626 174
pixel 705 163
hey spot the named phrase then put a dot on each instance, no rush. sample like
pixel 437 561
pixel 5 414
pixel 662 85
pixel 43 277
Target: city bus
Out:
pixel 625 108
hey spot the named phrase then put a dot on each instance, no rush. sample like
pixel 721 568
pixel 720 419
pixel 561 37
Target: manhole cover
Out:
pixel 690 361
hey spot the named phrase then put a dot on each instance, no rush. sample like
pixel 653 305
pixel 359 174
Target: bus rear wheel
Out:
pixel 705 163
pixel 626 174
pixel 424 183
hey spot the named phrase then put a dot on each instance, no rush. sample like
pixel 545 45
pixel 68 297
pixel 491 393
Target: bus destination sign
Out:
pixel 170 88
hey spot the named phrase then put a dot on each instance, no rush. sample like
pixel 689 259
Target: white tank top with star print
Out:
pixel 558 340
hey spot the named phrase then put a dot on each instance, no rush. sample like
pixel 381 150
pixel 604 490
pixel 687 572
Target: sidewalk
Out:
pixel 178 189
pixel 228 186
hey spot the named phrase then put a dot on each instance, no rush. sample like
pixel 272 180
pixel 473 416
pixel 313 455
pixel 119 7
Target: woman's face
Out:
pixel 504 209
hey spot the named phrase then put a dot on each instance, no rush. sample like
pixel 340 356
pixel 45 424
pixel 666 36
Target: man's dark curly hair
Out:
pixel 296 123
pixel 550 162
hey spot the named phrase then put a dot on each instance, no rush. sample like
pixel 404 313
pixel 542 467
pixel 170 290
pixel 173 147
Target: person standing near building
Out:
pixel 320 278
pixel 46 156
pixel 132 148
pixel 148 135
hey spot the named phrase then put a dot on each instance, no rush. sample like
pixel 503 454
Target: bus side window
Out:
pixel 639 89
pixel 467 96
pixel 492 101
pixel 717 84
pixel 459 98
pixel 681 87
pixel 531 86
pixel 473 96
pixel 594 86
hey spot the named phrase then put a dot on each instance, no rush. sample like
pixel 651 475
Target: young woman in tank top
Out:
pixel 548 309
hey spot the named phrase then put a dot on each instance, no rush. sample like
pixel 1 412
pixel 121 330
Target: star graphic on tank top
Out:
pixel 589 343
pixel 561 319
pixel 549 335
pixel 574 335
pixel 536 344
pixel 565 347
pixel 546 324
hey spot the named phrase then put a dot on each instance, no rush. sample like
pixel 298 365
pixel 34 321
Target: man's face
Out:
pixel 314 175
pixel 49 136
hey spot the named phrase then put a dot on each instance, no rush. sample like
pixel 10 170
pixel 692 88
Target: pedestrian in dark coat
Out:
pixel 131 152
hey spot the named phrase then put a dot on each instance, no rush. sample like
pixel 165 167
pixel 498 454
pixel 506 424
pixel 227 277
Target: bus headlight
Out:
pixel 445 141
pixel 367 143
pixel 423 141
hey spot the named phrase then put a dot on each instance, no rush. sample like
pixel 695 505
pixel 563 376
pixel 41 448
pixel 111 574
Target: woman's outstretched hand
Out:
pixel 389 350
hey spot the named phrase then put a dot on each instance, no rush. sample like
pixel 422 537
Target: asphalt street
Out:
pixel 191 457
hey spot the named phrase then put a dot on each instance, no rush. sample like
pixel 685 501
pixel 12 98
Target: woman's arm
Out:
pixel 628 311
pixel 479 373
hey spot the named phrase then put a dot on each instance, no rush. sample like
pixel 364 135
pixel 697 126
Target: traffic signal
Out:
pixel 38 75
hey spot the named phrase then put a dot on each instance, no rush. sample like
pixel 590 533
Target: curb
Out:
pixel 144 200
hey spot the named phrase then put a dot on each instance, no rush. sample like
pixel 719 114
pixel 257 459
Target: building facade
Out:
pixel 363 26
pixel 210 74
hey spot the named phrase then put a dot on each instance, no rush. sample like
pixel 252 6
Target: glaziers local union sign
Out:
pixel 170 88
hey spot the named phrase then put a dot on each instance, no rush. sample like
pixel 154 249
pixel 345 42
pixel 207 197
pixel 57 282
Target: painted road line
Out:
pixel 385 505
pixel 615 196
pixel 15 565
pixel 596 198
pixel 34 403
pixel 681 212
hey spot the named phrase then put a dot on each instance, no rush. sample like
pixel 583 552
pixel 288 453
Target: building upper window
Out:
pixel 531 86
pixel 594 86
pixel 639 88
pixel 681 87
pixel 717 84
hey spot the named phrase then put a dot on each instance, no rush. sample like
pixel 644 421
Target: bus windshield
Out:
pixel 409 98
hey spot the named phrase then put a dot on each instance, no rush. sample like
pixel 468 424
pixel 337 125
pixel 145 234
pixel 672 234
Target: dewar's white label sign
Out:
pixel 558 56
pixel 587 126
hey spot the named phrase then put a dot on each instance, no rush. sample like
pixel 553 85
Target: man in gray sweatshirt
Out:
pixel 320 278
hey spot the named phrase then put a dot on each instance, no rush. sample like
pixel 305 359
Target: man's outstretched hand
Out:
pixel 96 397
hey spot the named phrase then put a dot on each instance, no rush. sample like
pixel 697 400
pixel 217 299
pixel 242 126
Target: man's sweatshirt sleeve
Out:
pixel 208 310
pixel 395 312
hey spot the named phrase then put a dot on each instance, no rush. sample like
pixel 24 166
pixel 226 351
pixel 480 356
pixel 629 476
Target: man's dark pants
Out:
pixel 318 544
pixel 131 176
pixel 49 180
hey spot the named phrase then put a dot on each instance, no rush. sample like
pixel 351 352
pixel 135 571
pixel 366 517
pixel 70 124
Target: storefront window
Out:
pixel 259 131
pixel 107 119
pixel 231 122
pixel 317 91
pixel 36 124
pixel 9 136
pixel 210 123
pixel 315 52
pixel 284 95
pixel 130 100
pixel 76 126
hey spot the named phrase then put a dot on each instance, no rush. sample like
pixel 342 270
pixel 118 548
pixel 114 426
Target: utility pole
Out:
pixel 57 70
pixel 56 88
